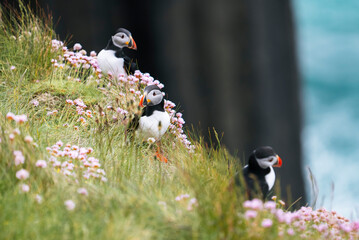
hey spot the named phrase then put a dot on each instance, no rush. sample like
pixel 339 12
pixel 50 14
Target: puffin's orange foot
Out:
pixel 160 157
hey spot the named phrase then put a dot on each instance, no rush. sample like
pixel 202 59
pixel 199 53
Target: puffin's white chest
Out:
pixel 270 178
pixel 108 62
pixel 155 125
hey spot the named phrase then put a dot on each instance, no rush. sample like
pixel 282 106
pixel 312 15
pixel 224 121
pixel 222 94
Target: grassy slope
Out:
pixel 127 205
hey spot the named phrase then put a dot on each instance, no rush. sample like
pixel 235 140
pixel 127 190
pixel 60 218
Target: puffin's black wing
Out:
pixel 130 65
pixel 254 185
pixel 243 183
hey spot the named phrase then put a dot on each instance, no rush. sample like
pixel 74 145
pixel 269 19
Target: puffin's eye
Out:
pixel 122 36
pixel 154 94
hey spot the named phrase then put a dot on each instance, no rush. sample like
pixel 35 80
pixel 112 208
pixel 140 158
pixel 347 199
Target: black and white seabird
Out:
pixel 154 120
pixel 259 173
pixel 113 59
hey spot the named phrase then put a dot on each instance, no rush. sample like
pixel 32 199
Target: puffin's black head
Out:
pixel 123 38
pixel 264 157
pixel 152 96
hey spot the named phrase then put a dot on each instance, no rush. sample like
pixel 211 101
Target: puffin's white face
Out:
pixel 154 97
pixel 268 161
pixel 121 40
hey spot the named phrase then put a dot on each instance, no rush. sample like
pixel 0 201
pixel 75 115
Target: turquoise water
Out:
pixel 328 47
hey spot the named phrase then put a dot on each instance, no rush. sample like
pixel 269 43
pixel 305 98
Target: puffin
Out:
pixel 112 59
pixel 154 120
pixel 258 174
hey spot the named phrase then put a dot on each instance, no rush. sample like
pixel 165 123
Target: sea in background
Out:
pixel 328 49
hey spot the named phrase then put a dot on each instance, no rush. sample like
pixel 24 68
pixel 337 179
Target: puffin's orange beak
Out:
pixel 141 101
pixel 279 164
pixel 132 44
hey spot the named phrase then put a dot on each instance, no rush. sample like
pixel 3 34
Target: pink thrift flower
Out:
pixel 10 116
pixel 59 143
pixel 41 164
pixel 77 47
pixel 22 174
pixel 69 101
pixel 35 103
pixel 11 136
pixel 70 205
pixel 83 191
pixel 290 231
pixel 345 227
pixel 322 227
pixel 38 199
pixel 16 131
pixel 82 120
pixel 266 223
pixel 255 204
pixel 21 118
pixel 193 201
pixel 12 68
pixel 25 188
pixel 356 226
pixel 281 202
pixel 83 52
pixel 250 214
pixel 270 205
pixel 96 165
pixel 89 150
pixel 19 159
pixel 280 215
pixel 93 54
pixel 29 139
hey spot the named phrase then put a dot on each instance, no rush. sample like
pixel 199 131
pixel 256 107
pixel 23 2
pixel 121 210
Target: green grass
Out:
pixel 124 207
pixel 138 200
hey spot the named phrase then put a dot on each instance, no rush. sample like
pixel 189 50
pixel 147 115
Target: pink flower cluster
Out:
pixel 72 160
pixel 70 205
pixel 23 174
pixel 81 110
pixel 122 111
pixel 304 222
pixel 130 83
pixel 56 44
pixel 77 58
pixel 35 102
pixel 17 118
pixel 177 121
pixel 191 203
pixel 51 113
pixel 19 158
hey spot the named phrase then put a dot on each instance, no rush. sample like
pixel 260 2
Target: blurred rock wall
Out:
pixel 228 64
